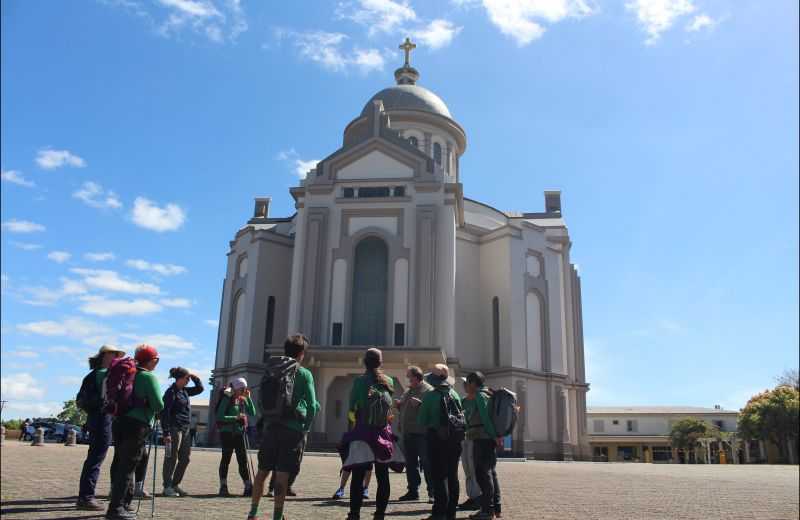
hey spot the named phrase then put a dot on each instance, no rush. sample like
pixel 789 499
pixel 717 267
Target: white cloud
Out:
pixel 437 34
pixel 658 16
pixel 326 49
pixel 162 269
pixel 522 19
pixel 60 350
pixel 59 257
pixel 700 22
pixel 22 226
pixel 212 323
pixel 378 15
pixel 301 167
pixel 16 177
pixel 99 306
pixel 99 257
pixel 217 20
pixel 149 216
pixel 25 246
pixel 50 159
pixel 27 354
pixel 77 328
pixel 45 296
pixel 32 408
pixel 178 303
pixel 70 380
pixel 165 341
pixel 92 194
pixel 111 281
pixel 21 386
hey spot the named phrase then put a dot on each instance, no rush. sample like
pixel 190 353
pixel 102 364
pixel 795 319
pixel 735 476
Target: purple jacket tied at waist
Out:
pixel 364 445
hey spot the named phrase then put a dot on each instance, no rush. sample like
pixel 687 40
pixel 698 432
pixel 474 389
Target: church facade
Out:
pixel 384 250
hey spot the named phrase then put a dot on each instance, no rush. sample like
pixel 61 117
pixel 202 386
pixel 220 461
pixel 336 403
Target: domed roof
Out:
pixel 409 97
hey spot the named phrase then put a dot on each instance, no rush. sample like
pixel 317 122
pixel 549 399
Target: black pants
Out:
pixel 485 456
pixel 357 488
pixel 416 452
pixel 99 426
pixel 233 442
pixel 141 467
pixel 130 437
pixel 443 457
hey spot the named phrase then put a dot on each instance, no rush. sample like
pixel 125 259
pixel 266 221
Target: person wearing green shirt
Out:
pixel 232 411
pixel 130 433
pixel 284 439
pixel 443 453
pixel 485 441
pixel 98 423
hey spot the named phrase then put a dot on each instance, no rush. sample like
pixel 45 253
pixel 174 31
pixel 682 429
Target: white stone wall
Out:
pixel 651 424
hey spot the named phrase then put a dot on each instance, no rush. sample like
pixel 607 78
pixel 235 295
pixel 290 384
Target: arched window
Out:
pixel 370 284
pixel 496 330
pixel 437 153
pixel 238 344
pixel 413 141
pixel 270 320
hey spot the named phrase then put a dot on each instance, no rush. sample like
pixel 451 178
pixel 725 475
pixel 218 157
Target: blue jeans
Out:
pixel 416 452
pixel 99 426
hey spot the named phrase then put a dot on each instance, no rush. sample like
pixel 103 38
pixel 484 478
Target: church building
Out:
pixel 385 250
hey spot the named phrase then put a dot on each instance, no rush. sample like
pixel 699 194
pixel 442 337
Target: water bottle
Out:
pixel 167 447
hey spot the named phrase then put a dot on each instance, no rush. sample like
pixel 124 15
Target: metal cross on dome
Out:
pixel 407 47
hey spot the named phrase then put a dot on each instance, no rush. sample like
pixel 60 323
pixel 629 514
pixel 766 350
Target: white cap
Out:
pixel 239 383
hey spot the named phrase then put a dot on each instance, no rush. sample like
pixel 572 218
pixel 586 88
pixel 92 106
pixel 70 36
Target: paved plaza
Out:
pixel 42 482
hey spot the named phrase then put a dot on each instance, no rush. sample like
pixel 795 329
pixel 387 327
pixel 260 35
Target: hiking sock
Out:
pixel 277 513
pixel 254 510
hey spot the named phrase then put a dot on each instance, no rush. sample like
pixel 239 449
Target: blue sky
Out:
pixel 136 133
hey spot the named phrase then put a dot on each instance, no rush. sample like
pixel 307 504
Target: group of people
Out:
pixel 437 429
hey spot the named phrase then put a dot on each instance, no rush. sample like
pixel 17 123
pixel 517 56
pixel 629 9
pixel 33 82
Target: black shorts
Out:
pixel 281 449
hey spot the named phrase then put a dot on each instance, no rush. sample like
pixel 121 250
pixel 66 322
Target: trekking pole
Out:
pixel 155 467
pixel 251 470
pixel 149 448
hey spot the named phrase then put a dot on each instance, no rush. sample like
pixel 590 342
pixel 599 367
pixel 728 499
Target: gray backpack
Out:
pixel 504 411
pixel 277 388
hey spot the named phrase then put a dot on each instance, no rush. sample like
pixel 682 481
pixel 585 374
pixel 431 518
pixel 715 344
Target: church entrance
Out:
pixel 370 283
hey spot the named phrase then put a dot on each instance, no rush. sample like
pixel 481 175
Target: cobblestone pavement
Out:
pixel 42 483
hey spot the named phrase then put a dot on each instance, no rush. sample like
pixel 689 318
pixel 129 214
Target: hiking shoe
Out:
pixel 223 491
pixel 481 515
pixel 291 493
pixel 408 497
pixel 469 505
pixel 179 490
pixel 339 494
pixel 142 493
pixel 170 492
pixel 366 494
pixel 270 493
pixel 353 516
pixel 120 513
pixel 88 504
pixel 248 490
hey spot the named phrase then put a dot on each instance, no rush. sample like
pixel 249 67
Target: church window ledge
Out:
pixel 374 192
pixel 342 200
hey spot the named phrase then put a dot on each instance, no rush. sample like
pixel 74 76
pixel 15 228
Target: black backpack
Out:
pixel 277 388
pixel 90 397
pixel 504 411
pixel 453 423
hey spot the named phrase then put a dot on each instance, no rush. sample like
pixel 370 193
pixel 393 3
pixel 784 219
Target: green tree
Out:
pixel 686 432
pixel 773 415
pixel 789 378
pixel 13 424
pixel 72 414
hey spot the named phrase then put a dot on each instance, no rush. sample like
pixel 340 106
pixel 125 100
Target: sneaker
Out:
pixel 352 516
pixel 481 515
pixel 120 513
pixel 339 494
pixel 291 493
pixel 141 492
pixel 469 505
pixel 223 491
pixel 179 490
pixel 366 494
pixel 170 492
pixel 409 497
pixel 88 504
pixel 270 493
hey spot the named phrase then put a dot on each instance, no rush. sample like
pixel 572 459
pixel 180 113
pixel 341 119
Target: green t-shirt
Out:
pixel 146 387
pixel 430 411
pixel 228 413
pixel 476 413
pixel 359 394
pixel 304 400
pixel 100 375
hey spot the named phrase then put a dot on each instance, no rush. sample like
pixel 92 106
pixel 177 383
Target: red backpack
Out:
pixel 118 386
